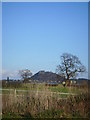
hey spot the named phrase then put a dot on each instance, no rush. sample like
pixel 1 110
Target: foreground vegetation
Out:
pixel 40 101
pixel 42 87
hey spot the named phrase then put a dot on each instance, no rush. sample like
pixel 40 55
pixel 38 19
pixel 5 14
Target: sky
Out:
pixel 88 40
pixel 35 35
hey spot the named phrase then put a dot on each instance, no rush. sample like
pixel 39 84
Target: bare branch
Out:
pixel 70 66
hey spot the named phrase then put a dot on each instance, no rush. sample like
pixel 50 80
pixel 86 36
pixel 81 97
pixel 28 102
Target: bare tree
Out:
pixel 70 66
pixel 25 74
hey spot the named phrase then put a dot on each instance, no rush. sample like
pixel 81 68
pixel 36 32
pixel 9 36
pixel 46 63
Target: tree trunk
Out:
pixel 67 81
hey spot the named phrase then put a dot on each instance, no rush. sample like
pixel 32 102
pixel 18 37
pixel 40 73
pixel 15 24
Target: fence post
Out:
pixel 15 92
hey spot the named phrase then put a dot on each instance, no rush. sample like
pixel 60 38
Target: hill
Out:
pixel 43 76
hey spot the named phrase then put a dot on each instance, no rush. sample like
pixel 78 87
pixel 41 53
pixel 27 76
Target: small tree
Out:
pixel 25 74
pixel 70 66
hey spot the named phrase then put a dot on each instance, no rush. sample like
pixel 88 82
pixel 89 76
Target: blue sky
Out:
pixel 36 34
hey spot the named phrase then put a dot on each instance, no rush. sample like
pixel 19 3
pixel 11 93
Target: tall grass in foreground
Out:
pixel 44 105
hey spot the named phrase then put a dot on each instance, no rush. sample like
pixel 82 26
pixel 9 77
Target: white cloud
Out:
pixel 10 74
pixel 0 74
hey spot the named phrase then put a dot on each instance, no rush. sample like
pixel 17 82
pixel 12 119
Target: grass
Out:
pixel 59 88
pixel 45 106
pixel 11 115
pixel 42 87
pixel 42 101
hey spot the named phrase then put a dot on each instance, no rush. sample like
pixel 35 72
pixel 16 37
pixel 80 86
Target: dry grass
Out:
pixel 45 104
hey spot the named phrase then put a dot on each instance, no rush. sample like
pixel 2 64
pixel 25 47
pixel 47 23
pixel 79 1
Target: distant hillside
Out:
pixel 80 80
pixel 43 76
